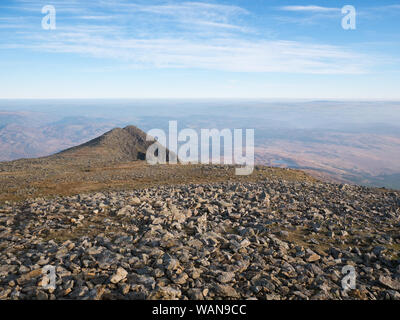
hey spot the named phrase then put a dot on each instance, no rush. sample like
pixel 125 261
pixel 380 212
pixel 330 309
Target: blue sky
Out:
pixel 201 49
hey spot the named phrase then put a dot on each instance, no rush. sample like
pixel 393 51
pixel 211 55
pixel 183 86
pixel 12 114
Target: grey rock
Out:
pixel 119 275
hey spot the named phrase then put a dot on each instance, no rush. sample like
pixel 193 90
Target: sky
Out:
pixel 248 49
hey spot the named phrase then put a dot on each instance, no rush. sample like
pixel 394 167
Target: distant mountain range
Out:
pixel 345 142
pixel 31 135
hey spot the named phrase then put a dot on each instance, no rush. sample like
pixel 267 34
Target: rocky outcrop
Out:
pixel 265 240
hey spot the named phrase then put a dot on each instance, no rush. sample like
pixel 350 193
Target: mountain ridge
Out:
pixel 118 144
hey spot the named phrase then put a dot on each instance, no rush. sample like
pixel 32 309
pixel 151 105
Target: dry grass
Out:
pixel 51 180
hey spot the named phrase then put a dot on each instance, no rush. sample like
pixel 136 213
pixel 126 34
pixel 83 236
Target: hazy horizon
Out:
pixel 347 141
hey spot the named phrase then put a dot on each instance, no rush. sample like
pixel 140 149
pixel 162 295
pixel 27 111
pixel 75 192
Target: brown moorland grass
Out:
pixel 49 180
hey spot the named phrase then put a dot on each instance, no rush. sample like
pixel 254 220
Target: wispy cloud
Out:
pixel 217 12
pixel 99 17
pixel 192 35
pixel 306 15
pixel 225 54
pixel 309 9
pixel 389 7
pixel 190 13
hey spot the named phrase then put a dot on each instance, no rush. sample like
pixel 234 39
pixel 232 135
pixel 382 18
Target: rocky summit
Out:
pixel 270 239
pixel 118 145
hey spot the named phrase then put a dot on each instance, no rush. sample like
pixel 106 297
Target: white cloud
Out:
pixel 210 38
pixel 313 14
pixel 190 14
pixel 389 7
pixel 225 54
pixel 96 17
pixel 199 9
pixel 309 9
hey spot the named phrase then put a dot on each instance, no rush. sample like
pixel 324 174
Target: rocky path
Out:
pixel 267 240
